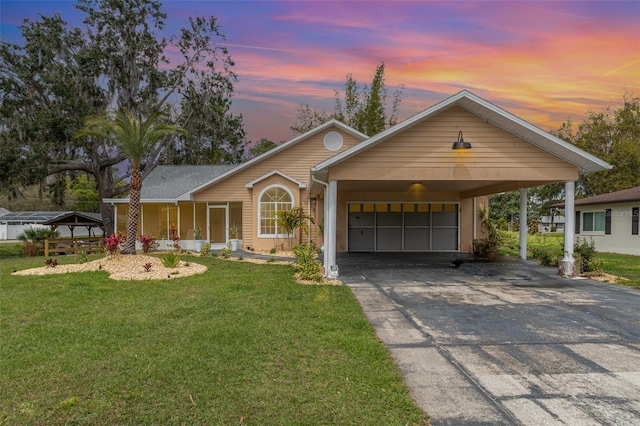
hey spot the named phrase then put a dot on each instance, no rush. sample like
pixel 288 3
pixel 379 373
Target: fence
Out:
pixel 72 245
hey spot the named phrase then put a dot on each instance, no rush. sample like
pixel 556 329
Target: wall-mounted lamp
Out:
pixel 460 143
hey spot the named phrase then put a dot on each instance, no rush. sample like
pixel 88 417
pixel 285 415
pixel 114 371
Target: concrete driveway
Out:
pixel 503 343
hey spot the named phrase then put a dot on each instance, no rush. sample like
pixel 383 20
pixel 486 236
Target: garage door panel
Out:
pixel 445 218
pixel 444 239
pixel 360 219
pixel 389 219
pixel 389 239
pixel 417 239
pixel 416 219
pixel 361 239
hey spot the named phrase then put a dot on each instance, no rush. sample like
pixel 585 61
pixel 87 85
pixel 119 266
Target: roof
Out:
pixel 178 183
pixel 75 218
pixel 586 162
pixel 26 217
pixel 274 151
pixel 631 194
pixel 170 183
pixel 45 217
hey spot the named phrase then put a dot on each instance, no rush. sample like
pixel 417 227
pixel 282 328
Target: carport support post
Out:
pixel 524 227
pixel 331 267
pixel 566 266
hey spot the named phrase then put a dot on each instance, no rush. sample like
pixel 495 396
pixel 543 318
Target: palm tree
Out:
pixel 136 140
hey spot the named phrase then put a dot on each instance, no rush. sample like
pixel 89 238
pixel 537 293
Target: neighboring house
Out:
pixel 404 189
pixel 13 224
pixel 548 224
pixel 610 221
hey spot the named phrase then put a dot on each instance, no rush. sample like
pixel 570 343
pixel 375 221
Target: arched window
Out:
pixel 273 199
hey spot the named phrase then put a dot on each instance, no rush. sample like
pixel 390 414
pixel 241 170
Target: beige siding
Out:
pixel 295 162
pixel 424 152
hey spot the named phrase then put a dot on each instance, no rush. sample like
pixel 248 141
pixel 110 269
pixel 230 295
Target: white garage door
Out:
pixel 402 227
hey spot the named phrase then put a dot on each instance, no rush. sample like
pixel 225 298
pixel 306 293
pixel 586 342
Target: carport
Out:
pixel 421 185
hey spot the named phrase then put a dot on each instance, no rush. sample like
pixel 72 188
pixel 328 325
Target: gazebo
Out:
pixel 73 219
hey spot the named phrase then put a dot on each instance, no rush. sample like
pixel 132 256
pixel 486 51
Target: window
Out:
pixel 635 213
pixel 593 221
pixel 273 199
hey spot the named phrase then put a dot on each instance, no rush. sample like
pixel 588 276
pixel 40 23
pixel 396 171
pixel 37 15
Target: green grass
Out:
pixel 623 265
pixel 240 344
pixel 10 250
pixel 552 246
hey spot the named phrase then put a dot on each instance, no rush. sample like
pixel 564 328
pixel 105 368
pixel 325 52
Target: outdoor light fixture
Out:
pixel 460 143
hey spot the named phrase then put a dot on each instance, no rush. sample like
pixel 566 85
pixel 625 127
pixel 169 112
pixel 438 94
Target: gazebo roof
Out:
pixel 74 218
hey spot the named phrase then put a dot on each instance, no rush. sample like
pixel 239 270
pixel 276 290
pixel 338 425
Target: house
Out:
pixel 610 221
pixel 551 224
pixel 417 186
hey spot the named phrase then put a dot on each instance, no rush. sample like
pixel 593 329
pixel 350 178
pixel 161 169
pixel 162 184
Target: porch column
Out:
pixel 332 196
pixel 524 227
pixel 567 264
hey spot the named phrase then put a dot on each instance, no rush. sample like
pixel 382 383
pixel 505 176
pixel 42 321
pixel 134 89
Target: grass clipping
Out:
pixel 124 267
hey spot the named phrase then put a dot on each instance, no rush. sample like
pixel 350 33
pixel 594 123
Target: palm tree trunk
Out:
pixel 134 211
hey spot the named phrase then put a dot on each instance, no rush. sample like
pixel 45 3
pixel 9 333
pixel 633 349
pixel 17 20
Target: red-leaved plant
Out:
pixel 147 267
pixel 52 263
pixel 147 242
pixel 114 242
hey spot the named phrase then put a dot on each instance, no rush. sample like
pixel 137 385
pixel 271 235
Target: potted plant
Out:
pixel 234 237
pixel 197 235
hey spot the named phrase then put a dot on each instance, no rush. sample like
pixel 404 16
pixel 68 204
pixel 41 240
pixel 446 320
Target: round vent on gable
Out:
pixel 333 141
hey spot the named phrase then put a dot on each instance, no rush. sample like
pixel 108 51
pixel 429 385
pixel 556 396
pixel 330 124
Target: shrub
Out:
pixel 82 257
pixel 170 259
pixel 546 255
pixel 30 249
pixel 33 239
pixel 587 251
pixel 487 248
pixel 226 252
pixel 206 249
pixel 307 267
pixel 114 243
pixel 148 242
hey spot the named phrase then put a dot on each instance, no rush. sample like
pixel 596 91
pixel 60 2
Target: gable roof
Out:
pixel 274 151
pixel 586 162
pixel 279 173
pixel 625 195
pixel 76 218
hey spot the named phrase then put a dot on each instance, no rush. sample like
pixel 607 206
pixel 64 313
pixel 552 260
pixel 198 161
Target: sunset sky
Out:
pixel 545 61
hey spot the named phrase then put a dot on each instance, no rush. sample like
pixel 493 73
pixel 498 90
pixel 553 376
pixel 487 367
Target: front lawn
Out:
pixel 241 344
pixel 547 248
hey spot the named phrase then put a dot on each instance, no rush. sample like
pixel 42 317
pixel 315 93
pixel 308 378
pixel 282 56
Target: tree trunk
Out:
pixel 105 190
pixel 134 211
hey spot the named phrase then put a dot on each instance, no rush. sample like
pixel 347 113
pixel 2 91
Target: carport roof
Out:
pixel 586 162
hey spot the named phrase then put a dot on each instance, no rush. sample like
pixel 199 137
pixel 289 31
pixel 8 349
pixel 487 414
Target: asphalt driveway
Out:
pixel 503 343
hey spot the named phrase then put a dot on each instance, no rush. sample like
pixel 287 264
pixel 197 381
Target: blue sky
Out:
pixel 543 61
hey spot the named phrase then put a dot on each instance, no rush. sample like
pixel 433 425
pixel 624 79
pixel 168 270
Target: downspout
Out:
pixel 309 221
pixel 326 214
pixel 475 220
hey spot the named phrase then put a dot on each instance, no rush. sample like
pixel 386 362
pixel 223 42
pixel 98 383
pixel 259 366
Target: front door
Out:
pixel 218 224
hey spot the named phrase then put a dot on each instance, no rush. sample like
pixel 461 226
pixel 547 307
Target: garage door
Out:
pixel 402 227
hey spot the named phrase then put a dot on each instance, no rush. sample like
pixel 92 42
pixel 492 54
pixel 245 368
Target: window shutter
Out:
pixel 635 212
pixel 577 231
pixel 607 221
